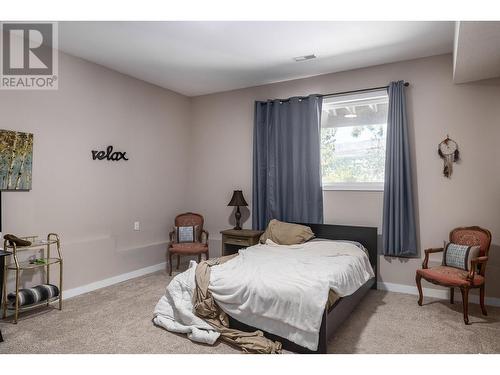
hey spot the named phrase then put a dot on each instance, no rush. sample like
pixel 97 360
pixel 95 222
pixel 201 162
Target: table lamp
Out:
pixel 237 200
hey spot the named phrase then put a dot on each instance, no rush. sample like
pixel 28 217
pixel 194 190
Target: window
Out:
pixel 353 132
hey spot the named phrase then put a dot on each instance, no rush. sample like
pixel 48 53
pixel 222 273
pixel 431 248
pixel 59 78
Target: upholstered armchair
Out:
pixel 452 277
pixel 198 246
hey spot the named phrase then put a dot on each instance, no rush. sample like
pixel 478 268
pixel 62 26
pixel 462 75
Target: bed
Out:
pixel 282 290
pixel 335 314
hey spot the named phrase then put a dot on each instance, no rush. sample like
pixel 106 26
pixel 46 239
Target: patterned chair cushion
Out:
pixel 188 248
pixel 472 236
pixel 459 256
pixel 449 276
pixel 34 295
pixel 189 218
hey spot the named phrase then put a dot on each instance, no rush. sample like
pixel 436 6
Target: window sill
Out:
pixel 354 187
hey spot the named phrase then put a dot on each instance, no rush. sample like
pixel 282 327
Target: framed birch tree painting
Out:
pixel 16 158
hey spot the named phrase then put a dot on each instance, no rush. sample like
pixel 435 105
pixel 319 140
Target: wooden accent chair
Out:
pixel 198 247
pixel 457 278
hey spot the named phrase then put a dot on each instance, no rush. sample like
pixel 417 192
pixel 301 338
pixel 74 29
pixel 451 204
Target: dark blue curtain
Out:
pixel 399 235
pixel 286 161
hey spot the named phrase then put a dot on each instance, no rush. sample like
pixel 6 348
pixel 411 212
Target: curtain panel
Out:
pixel 287 162
pixel 399 235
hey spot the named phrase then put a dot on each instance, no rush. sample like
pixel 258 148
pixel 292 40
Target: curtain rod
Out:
pixel 360 90
pixel 346 92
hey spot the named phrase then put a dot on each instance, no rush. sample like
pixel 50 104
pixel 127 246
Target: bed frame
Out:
pixel 340 311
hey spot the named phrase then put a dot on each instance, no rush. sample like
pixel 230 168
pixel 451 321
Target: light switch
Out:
pixel 137 225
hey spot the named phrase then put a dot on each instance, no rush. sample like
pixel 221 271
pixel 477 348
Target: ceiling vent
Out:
pixel 304 58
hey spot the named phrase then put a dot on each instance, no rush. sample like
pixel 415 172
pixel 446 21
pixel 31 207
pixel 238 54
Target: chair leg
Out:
pixel 452 295
pixel 178 261
pixel 170 263
pixel 418 279
pixel 465 299
pixel 481 300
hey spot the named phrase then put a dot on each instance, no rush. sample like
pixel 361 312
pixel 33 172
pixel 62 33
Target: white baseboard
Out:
pixel 434 293
pixel 390 287
pixel 70 293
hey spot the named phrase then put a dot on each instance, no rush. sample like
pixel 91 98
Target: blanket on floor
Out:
pixel 188 307
pixel 174 310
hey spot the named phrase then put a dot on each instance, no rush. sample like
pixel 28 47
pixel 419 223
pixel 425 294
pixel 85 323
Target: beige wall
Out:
pixel 93 204
pixel 189 154
pixel 470 113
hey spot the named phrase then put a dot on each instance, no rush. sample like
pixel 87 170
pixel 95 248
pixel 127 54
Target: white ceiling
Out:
pixel 477 51
pixel 196 58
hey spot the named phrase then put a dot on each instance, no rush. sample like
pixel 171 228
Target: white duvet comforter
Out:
pixel 284 289
pixel 279 289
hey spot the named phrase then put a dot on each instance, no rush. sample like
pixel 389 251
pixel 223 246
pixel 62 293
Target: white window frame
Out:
pixel 356 186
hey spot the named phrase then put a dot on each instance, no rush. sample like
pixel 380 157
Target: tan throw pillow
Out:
pixel 286 233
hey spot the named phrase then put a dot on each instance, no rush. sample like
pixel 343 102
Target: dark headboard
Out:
pixel 367 236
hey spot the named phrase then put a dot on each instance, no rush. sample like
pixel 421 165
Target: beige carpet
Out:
pixel 117 319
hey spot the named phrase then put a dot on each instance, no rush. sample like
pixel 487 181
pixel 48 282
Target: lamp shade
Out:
pixel 238 199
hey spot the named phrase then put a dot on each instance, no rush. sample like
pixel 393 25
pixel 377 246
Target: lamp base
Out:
pixel 237 216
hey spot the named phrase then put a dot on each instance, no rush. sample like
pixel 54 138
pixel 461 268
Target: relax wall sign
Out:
pixel 109 154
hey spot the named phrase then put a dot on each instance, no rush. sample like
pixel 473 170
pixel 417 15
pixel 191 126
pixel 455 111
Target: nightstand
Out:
pixel 233 240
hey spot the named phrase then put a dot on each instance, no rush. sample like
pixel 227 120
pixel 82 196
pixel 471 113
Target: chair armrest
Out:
pixel 473 265
pixel 430 251
pixel 171 236
pixel 204 232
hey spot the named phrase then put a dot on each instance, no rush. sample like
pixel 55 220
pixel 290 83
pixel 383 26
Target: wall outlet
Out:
pixel 137 225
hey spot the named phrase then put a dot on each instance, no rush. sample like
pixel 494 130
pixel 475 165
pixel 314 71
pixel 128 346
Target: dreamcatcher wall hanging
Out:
pixel 448 150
